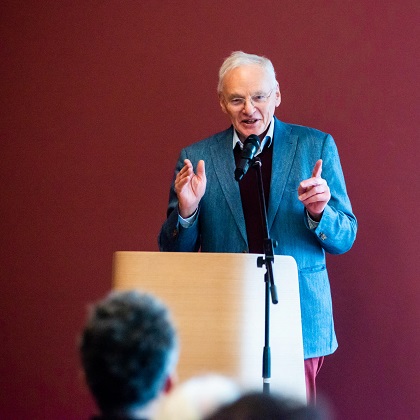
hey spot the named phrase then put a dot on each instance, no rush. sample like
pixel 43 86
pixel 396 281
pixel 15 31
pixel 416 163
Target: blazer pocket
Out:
pixel 313 269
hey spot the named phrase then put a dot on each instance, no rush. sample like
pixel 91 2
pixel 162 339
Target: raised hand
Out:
pixel 190 187
pixel 314 192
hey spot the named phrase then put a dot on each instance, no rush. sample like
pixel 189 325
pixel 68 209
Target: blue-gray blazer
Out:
pixel 220 225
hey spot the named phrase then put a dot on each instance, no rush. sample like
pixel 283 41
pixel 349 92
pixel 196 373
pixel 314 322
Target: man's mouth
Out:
pixel 249 121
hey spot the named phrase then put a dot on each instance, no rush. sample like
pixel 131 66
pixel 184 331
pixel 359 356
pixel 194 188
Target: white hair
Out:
pixel 238 59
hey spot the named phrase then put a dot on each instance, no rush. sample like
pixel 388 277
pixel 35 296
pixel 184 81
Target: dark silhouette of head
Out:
pixel 129 350
pixel 260 405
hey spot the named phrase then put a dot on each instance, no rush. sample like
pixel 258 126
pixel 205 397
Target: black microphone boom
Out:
pixel 251 147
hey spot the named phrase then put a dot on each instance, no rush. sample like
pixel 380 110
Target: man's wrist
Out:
pixel 187 214
pixel 186 211
pixel 314 217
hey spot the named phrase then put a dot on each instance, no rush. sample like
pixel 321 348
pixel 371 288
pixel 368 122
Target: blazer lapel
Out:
pixel 284 144
pixel 224 166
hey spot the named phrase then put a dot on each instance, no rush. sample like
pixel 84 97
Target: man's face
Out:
pixel 249 97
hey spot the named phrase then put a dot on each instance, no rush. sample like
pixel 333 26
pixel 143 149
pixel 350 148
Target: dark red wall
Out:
pixel 97 99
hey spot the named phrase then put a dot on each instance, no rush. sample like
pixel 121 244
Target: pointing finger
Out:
pixel 316 173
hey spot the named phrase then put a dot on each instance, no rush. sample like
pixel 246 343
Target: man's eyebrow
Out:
pixel 237 95
pixel 234 95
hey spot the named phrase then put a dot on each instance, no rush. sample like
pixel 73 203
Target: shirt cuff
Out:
pixel 312 223
pixel 189 221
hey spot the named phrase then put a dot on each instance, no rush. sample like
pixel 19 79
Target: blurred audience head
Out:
pixel 267 406
pixel 129 350
pixel 198 397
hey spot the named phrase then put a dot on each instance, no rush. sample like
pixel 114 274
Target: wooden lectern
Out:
pixel 217 302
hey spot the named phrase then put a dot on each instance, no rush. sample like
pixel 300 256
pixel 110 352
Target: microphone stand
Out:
pixel 270 287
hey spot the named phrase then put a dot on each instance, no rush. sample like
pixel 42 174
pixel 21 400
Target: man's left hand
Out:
pixel 314 193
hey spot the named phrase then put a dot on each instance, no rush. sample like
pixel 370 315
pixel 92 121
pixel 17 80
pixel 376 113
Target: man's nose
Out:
pixel 249 106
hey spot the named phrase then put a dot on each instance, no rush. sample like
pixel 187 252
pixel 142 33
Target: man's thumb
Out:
pixel 201 169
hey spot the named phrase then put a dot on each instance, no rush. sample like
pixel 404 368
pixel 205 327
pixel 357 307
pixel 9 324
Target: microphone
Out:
pixel 251 146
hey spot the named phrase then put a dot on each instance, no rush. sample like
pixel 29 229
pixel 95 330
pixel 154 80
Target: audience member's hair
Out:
pixel 260 405
pixel 128 349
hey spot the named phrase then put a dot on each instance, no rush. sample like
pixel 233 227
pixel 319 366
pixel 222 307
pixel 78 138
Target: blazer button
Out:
pixel 323 236
pixel 175 233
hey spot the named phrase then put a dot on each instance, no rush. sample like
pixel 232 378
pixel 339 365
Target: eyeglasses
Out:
pixel 255 99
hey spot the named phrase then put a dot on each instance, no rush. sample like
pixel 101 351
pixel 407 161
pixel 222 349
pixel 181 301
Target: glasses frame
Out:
pixel 252 99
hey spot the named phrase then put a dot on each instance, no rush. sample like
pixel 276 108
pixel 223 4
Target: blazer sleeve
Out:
pixel 336 232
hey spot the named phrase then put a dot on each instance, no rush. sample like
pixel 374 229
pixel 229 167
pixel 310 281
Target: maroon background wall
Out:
pixel 97 99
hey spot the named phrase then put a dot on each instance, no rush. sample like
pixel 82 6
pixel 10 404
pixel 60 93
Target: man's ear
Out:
pixel 278 95
pixel 222 103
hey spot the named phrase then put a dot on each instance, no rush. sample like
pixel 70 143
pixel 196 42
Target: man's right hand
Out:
pixel 190 187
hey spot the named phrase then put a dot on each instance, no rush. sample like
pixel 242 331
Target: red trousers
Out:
pixel 312 367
